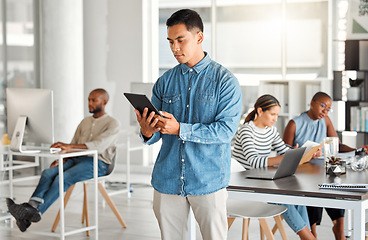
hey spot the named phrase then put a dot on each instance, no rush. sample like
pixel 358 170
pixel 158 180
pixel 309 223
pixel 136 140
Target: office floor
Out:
pixel 136 211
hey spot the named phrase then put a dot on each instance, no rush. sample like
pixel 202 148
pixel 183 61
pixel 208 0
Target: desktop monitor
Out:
pixel 30 117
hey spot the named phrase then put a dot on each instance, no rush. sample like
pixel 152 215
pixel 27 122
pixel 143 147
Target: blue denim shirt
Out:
pixel 206 101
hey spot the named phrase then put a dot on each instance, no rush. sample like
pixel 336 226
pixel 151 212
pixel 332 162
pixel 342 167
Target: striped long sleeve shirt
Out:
pixel 253 145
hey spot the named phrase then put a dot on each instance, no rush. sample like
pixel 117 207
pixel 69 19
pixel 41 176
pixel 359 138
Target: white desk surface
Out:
pixel 45 152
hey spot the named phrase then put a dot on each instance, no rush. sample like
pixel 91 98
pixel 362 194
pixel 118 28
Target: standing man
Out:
pixel 98 132
pixel 201 104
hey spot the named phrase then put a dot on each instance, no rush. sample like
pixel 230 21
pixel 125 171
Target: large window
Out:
pixel 19 67
pixel 249 39
pixel 260 40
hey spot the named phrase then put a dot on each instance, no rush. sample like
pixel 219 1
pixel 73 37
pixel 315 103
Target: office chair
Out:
pixel 85 215
pixel 258 210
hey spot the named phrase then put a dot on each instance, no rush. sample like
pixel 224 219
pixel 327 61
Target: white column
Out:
pixel 150 30
pixel 95 16
pixel 62 62
pixel 113 51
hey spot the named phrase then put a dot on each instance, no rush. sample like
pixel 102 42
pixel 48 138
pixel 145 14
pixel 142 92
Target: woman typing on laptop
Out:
pixel 253 145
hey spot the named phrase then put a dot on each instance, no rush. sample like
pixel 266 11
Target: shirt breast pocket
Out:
pixel 204 107
pixel 205 96
pixel 171 103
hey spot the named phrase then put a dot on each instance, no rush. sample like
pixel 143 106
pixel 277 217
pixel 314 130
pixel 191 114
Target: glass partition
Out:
pixel 18 48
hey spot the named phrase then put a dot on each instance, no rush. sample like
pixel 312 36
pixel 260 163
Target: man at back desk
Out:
pixel 98 132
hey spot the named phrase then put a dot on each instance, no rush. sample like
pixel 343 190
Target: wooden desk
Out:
pixel 302 189
pixel 60 156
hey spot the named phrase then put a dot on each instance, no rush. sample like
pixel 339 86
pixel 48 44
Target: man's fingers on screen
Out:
pixel 159 124
pixel 149 120
pixel 145 111
pixel 166 114
pixel 138 114
pixel 154 122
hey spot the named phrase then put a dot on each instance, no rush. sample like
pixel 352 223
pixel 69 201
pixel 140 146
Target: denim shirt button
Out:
pixel 181 177
pixel 182 160
pixel 183 141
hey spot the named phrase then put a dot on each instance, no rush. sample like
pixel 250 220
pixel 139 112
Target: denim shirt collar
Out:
pixel 198 67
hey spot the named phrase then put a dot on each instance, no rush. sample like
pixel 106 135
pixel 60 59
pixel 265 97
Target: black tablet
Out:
pixel 140 101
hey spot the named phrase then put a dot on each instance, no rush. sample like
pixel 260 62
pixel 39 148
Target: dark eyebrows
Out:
pixel 175 38
pixel 322 102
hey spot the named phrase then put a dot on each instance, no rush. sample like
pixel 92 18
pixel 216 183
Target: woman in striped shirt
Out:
pixel 253 145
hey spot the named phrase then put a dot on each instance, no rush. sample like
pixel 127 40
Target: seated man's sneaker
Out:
pixel 23 224
pixel 23 211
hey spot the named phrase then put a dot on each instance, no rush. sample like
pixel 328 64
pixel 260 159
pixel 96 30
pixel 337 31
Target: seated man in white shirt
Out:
pixel 98 132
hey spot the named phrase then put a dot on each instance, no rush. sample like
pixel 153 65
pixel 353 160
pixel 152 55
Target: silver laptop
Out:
pixel 287 167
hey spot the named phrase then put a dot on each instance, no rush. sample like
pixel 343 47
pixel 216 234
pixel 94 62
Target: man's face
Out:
pixel 95 102
pixel 185 45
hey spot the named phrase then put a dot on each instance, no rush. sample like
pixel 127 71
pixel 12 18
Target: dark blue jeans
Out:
pixel 75 170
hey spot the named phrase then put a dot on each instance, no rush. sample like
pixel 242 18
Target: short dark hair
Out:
pixel 189 17
pixel 319 95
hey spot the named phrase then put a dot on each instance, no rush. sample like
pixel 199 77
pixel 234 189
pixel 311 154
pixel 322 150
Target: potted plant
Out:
pixel 335 166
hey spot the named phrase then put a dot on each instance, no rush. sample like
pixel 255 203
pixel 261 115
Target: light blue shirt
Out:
pixel 206 101
pixel 309 129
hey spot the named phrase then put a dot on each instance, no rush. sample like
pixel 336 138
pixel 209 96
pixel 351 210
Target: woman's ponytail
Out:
pixel 251 116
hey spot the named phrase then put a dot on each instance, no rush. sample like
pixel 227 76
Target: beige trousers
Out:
pixel 209 210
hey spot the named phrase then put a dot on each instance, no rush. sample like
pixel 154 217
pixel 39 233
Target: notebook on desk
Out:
pixel 344 186
pixel 289 164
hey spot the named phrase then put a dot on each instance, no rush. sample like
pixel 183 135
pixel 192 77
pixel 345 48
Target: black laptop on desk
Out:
pixel 287 167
